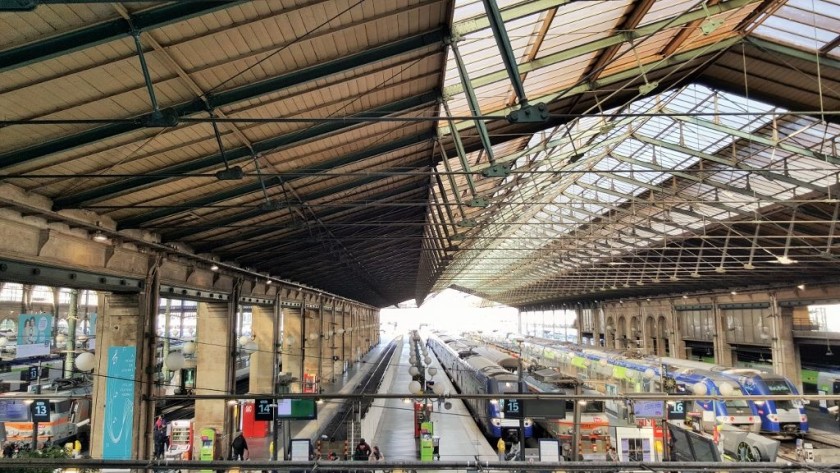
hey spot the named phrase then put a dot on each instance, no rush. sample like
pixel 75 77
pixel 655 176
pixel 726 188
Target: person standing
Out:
pixel 501 447
pixel 239 447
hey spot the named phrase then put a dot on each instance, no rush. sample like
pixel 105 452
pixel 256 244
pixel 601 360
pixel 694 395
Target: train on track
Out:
pixel 475 374
pixel 69 413
pixel 613 372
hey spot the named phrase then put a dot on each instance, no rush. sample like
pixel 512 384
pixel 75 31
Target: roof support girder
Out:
pixel 235 155
pixel 239 217
pixel 276 180
pixel 257 250
pixel 616 39
pixel 221 99
pixel 69 42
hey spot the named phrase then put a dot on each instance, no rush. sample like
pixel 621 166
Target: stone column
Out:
pixel 293 340
pixel 312 346
pixel 677 344
pixel 785 353
pixel 262 361
pixel 215 347
pixel 723 350
pixel 118 389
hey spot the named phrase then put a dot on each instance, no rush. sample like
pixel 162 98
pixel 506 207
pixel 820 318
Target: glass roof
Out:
pixel 806 24
pixel 590 204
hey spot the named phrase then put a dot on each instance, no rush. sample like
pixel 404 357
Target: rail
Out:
pixel 366 389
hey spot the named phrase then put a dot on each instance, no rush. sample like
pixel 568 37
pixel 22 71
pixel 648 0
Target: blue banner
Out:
pixel 119 403
pixel 34 335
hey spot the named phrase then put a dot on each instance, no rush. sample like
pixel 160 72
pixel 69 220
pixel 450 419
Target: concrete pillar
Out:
pixel 261 376
pixel 330 343
pixel 785 353
pixel 723 350
pixel 293 340
pixel 215 346
pixel 120 377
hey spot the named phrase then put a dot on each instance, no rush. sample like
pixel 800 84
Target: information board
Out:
pixel 303 409
pixel 649 409
pixel 264 409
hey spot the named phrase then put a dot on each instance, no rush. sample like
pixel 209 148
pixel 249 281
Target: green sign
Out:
pixel 304 409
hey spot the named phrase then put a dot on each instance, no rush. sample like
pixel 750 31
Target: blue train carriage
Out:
pixel 784 417
pixel 498 417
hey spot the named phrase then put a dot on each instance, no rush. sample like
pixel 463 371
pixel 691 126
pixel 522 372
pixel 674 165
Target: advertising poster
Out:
pixel 34 335
pixel 119 403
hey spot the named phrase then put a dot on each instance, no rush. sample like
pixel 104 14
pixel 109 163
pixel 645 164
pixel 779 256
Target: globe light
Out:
pixel 60 339
pixel 438 389
pixel 726 389
pixel 602 362
pixel 188 348
pixel 413 371
pixel 699 389
pixel 432 371
pixel 85 361
pixel 649 373
pixel 243 340
pixel 174 361
pixel 427 360
pixel 415 387
pixel 250 347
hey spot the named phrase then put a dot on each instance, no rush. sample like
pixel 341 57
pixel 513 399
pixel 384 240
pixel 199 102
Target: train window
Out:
pixel 737 404
pixel 593 407
pixel 13 411
pixel 60 407
pixel 507 387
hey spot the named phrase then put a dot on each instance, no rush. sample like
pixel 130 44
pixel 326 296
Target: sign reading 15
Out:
pixel 513 408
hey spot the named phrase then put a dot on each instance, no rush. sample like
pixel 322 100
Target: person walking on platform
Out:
pixel 160 442
pixel 501 447
pixel 239 447
pixel 362 452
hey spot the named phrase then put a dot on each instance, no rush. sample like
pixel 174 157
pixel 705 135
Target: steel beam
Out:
pixel 593 46
pixel 256 251
pixel 609 80
pixel 276 180
pixel 473 103
pixel 104 32
pixel 738 165
pixel 234 155
pixel 231 219
pixel 224 98
pixel 497 25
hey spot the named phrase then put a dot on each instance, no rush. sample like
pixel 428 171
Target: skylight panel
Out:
pixel 807 24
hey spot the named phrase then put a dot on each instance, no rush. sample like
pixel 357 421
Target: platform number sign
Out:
pixel 33 373
pixel 513 408
pixel 263 409
pixel 40 410
pixel 676 410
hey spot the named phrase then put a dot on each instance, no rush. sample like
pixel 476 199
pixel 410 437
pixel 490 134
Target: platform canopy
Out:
pixel 534 153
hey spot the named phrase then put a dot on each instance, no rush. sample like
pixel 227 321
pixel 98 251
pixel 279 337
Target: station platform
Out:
pixel 259 448
pixel 460 437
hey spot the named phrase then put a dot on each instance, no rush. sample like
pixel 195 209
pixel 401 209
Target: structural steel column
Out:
pixel 214 368
pixel 262 361
pixel 120 324
pixel 312 346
